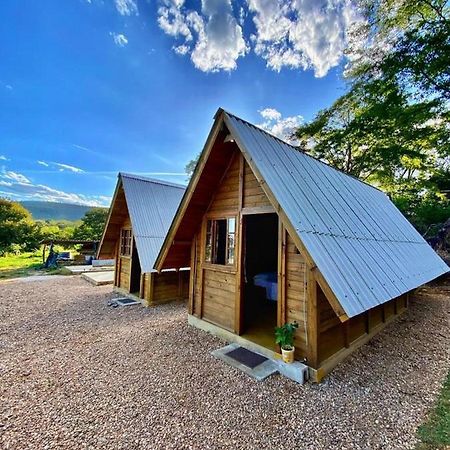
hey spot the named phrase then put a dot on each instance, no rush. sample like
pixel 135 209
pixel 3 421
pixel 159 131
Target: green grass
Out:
pixel 435 433
pixel 24 265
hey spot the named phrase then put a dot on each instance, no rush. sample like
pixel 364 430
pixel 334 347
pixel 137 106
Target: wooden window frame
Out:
pixel 126 245
pixel 213 236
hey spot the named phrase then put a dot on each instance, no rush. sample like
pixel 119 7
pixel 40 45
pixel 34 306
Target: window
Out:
pixel 220 241
pixel 125 242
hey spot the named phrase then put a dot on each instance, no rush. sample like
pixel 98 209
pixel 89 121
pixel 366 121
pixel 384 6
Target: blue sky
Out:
pixel 90 88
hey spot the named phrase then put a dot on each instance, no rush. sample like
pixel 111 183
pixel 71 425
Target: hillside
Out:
pixel 55 211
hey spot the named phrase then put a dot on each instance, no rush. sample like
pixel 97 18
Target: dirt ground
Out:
pixel 77 374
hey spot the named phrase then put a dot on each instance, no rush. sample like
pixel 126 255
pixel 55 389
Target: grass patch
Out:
pixel 25 265
pixel 435 433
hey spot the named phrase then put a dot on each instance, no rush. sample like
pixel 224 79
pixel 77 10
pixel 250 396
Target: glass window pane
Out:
pixel 231 225
pixel 208 247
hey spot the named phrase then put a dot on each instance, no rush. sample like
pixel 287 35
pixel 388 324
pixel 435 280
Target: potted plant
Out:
pixel 284 337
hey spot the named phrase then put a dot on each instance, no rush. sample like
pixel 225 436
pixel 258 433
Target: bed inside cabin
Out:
pixel 259 264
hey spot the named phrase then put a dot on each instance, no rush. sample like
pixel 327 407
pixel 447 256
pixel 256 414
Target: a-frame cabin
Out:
pixel 141 212
pixel 278 236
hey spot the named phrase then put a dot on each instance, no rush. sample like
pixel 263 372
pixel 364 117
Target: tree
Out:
pixel 16 227
pixel 92 225
pixel 190 166
pixel 392 126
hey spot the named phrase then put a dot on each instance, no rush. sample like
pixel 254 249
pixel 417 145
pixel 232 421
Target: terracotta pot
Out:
pixel 288 355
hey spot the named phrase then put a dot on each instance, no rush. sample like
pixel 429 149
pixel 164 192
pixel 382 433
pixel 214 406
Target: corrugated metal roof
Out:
pixel 152 205
pixel 363 246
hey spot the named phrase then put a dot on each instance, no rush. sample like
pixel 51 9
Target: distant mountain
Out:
pixel 55 211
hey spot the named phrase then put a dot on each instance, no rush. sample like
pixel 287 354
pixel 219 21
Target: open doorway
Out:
pixel 135 277
pixel 260 265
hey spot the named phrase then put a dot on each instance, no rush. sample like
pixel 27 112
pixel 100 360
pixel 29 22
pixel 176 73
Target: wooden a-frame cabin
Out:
pixel 141 212
pixel 273 235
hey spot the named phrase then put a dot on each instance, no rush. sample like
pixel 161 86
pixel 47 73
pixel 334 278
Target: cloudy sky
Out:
pixel 92 87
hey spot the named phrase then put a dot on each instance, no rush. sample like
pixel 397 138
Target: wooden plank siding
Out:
pixel 335 335
pixel 295 293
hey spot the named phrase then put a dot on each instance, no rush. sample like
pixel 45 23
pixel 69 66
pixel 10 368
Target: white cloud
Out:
pixel 4 158
pixel 119 39
pixel 14 176
pixel 282 127
pixel 126 7
pixel 43 163
pixel 302 33
pixel 181 49
pixel 67 167
pixel 213 37
pixel 298 34
pixel 19 186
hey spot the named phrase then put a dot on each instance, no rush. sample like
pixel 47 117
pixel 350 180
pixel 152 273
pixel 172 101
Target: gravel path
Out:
pixel 77 374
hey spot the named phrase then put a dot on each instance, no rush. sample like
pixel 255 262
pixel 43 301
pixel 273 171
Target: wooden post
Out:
pixel 141 286
pixel 200 265
pixel 192 277
pixel 180 285
pixel 239 237
pixel 312 320
pixel 43 253
pixel 150 288
pixel 281 300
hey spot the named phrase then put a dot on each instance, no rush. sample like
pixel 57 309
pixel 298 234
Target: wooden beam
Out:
pixel 200 265
pixel 141 286
pixel 281 300
pixel 151 287
pixel 312 323
pixel 258 210
pixel 238 304
pixel 192 277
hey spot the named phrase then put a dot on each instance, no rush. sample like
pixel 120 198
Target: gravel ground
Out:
pixel 77 374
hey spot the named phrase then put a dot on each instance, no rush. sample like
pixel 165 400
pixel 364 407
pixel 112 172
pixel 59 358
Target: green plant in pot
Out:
pixel 284 337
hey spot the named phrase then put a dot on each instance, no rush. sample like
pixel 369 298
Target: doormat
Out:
pixel 253 364
pixel 246 357
pixel 123 301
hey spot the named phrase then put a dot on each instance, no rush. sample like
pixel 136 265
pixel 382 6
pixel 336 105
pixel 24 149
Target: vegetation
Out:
pixel 16 227
pixel 391 128
pixel 18 265
pixel 92 224
pixel 284 335
pixel 19 233
pixel 435 433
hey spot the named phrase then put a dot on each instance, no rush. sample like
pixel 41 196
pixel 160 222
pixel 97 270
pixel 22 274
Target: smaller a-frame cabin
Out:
pixel 141 212
pixel 278 236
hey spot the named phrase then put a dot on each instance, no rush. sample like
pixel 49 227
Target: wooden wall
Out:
pixel 334 335
pixel 295 270
pixel 217 284
pixel 253 196
pixel 157 288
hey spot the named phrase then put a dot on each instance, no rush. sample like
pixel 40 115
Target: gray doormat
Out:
pixel 257 366
pixel 246 357
pixel 122 301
